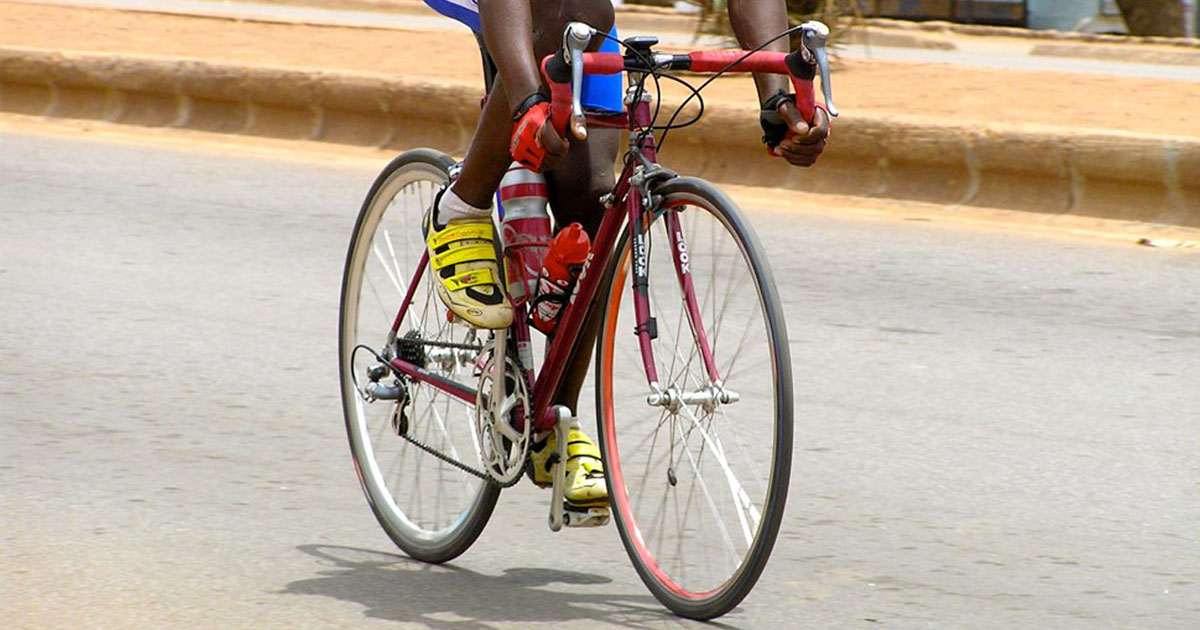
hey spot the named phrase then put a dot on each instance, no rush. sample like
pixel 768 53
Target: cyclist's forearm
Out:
pixel 754 22
pixel 508 33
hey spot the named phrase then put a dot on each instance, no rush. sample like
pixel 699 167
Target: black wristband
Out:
pixel 772 103
pixel 528 103
pixel 774 129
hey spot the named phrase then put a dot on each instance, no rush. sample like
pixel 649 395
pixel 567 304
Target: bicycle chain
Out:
pixel 429 449
pixel 459 465
pixel 447 344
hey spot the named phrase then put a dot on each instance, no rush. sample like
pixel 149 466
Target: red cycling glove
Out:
pixel 530 118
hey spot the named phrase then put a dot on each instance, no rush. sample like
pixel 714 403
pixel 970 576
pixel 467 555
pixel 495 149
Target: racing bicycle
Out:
pixel 693 382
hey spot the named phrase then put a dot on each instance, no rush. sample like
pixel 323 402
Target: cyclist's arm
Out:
pixel 754 22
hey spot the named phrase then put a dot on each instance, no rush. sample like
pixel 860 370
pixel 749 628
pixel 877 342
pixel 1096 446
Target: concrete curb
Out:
pixel 937 26
pixel 1161 56
pixel 1107 175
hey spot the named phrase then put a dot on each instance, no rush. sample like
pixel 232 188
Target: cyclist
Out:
pixel 518 33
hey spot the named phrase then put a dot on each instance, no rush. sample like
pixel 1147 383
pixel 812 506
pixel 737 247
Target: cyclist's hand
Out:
pixel 805 143
pixel 535 143
pixel 555 145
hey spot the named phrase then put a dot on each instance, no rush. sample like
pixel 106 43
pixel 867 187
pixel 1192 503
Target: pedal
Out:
pixel 589 517
pixel 558 515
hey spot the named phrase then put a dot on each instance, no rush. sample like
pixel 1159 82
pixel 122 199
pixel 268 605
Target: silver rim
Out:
pixel 416 496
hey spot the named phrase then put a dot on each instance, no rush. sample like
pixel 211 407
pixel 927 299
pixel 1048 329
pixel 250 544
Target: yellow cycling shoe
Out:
pixel 585 472
pixel 462 253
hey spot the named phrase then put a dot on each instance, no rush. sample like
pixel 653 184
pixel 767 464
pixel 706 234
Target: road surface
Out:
pixel 994 428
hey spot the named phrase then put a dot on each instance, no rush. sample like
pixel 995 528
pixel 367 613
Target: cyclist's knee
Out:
pixel 583 205
pixel 598 15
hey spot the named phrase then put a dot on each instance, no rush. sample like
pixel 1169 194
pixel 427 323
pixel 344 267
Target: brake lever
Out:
pixel 576 38
pixel 815 35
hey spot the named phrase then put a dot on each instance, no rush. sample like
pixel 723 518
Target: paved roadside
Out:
pixel 920 89
pixel 873 40
pixel 1064 226
pixel 1049 142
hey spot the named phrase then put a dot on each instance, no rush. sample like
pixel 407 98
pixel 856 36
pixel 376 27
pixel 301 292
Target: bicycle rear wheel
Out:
pixel 430 508
pixel 698 478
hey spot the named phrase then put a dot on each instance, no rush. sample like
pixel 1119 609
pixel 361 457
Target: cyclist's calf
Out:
pixel 585 174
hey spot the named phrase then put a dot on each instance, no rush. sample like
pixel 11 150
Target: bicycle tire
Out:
pixel 397 477
pixel 685 548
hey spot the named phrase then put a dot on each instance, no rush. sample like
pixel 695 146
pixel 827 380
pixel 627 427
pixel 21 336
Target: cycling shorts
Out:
pixel 602 93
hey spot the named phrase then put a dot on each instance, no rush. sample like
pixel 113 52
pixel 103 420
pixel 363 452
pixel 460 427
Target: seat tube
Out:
pixel 687 288
pixel 408 296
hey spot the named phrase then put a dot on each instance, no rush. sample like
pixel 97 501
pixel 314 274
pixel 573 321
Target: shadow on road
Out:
pixel 397 588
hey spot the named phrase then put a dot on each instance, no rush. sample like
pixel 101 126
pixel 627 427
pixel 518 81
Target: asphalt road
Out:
pixel 994 429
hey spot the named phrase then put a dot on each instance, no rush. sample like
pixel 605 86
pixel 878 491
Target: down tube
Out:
pixel 572 319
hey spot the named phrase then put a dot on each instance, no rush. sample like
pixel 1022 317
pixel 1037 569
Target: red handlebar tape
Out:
pixel 717 60
pixel 761 61
pixel 703 61
pixel 603 63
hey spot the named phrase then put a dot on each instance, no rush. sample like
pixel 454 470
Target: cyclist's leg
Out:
pixel 575 188
pixel 488 157
pixel 470 284
pixel 575 192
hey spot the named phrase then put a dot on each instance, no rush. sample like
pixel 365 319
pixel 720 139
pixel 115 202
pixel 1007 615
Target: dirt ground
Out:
pixel 923 90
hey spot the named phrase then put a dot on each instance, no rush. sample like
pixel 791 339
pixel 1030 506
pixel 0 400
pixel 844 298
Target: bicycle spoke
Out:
pixel 387 270
pixel 441 423
pixel 712 506
pixel 429 507
pixel 704 469
pixel 748 515
pixel 741 345
pixel 379 299
pixel 395 266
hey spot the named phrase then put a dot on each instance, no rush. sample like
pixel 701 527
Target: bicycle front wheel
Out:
pixel 430 507
pixel 698 462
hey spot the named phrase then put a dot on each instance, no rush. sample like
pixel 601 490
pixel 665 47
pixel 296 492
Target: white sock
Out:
pixel 451 207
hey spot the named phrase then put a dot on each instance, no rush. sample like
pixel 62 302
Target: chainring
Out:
pixel 503 446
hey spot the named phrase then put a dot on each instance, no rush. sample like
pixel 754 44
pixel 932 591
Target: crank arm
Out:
pixel 562 428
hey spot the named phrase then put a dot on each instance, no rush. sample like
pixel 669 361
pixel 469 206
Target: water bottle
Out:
pixel 561 267
pixel 525 229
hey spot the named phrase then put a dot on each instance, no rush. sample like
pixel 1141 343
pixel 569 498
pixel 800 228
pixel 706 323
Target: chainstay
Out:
pixel 459 465
pixel 429 449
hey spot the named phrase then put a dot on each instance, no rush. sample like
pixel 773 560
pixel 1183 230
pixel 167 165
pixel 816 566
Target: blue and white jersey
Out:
pixel 465 11
pixel 601 93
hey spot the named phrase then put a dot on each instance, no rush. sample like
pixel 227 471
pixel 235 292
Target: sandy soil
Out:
pixel 935 91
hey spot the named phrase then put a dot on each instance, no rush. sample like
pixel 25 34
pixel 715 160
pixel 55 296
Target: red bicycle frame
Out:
pixel 626 207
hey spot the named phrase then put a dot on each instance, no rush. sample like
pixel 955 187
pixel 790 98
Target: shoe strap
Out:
pixel 465 254
pixel 462 232
pixel 472 278
pixel 579 447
